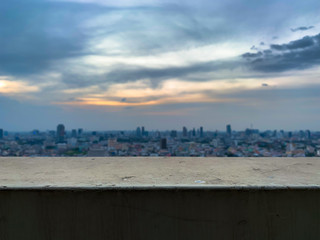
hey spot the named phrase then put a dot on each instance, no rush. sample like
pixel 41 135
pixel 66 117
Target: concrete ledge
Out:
pixel 164 188
pixel 153 172
pixel 160 198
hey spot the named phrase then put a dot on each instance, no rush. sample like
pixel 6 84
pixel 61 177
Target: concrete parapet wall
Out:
pixel 160 213
pixel 159 198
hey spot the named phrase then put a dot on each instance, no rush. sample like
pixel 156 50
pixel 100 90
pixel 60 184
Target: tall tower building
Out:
pixel 60 132
pixel 308 134
pixel 80 131
pixel 1 133
pixel 229 131
pixel 201 132
pixel 138 132
pixel 194 132
pixel 185 132
pixel 74 133
pixel 173 134
pixel 163 143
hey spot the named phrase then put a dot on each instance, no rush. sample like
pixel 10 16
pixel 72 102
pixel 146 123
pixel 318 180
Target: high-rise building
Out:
pixel 229 131
pixel 60 132
pixel 173 134
pixel 302 134
pixel 308 134
pixel 185 132
pixel 1 133
pixel 74 133
pixel 138 132
pixel 163 143
pixel 143 131
pixel 194 132
pixel 201 132
pixel 80 131
pixel 275 133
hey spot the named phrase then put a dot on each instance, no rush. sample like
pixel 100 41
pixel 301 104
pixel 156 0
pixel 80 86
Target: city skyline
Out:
pixel 61 129
pixel 101 64
pixel 195 142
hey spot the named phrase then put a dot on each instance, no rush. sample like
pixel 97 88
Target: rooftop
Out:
pixel 158 172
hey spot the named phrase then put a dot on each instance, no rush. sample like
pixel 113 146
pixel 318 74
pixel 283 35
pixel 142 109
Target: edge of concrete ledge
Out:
pixel 159 187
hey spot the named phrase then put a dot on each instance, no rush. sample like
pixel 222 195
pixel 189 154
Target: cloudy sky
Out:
pixel 103 65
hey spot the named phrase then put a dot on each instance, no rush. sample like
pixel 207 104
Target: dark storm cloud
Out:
pixel 252 55
pixel 300 54
pixel 301 28
pixel 298 44
pixel 33 33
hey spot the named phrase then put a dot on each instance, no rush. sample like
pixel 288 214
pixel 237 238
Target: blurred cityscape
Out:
pixel 140 142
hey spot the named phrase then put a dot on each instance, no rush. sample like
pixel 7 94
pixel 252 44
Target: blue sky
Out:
pixel 102 65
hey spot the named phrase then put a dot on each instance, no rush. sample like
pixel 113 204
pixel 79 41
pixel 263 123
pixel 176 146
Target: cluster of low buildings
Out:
pixel 195 143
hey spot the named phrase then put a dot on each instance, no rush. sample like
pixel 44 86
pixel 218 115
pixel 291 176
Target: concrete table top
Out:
pixel 148 172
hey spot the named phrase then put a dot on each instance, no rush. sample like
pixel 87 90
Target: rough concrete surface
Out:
pixel 159 198
pixel 121 172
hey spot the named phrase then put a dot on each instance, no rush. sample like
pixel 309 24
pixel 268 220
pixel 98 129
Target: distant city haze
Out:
pixel 194 142
pixel 115 65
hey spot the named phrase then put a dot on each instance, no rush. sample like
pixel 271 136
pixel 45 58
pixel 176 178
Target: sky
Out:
pixel 116 65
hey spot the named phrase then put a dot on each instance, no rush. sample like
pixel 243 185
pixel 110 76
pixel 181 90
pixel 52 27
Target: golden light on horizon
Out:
pixel 14 87
pixel 140 93
pixel 2 84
